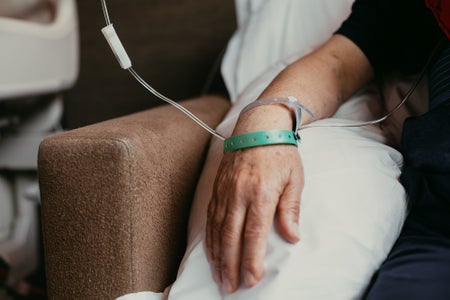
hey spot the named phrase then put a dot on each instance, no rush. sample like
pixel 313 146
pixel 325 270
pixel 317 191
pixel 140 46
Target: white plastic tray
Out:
pixel 38 58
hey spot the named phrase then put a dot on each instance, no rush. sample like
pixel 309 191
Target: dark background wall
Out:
pixel 173 44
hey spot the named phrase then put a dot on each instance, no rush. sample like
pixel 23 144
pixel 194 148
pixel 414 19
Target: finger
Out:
pixel 208 229
pixel 288 211
pixel 231 248
pixel 213 224
pixel 216 241
pixel 259 220
pixel 216 214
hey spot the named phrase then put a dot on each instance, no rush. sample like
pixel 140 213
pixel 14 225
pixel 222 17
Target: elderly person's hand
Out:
pixel 252 187
pixel 256 186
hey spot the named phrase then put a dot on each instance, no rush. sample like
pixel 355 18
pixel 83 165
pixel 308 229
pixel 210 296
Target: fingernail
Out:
pixel 227 286
pixel 295 230
pixel 250 279
pixel 217 277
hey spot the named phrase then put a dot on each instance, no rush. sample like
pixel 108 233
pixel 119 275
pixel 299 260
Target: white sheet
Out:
pixel 352 205
pixel 352 210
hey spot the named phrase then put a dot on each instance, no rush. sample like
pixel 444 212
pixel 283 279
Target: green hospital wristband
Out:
pixel 260 138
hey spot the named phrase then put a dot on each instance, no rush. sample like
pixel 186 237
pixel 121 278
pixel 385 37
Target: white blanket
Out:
pixel 352 205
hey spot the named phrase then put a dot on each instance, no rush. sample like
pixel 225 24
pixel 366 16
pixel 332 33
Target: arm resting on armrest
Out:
pixel 116 198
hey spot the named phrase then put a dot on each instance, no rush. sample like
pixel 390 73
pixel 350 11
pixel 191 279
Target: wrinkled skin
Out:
pixel 254 185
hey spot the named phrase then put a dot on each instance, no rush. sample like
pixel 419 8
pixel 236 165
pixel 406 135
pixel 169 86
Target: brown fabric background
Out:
pixel 116 197
pixel 173 44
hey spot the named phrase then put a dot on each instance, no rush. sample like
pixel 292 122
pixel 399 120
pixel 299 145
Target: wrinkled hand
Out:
pixel 252 187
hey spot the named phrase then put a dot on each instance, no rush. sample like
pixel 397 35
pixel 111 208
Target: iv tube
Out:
pixel 120 53
pixel 215 133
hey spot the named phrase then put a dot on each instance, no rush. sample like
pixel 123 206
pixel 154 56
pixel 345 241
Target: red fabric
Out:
pixel 441 10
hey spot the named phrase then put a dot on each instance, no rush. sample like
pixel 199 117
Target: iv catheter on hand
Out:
pixel 125 62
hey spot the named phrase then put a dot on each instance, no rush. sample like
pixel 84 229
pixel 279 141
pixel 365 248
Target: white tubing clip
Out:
pixel 116 46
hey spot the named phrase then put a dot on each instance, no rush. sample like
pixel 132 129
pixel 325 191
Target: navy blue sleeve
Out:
pixel 395 35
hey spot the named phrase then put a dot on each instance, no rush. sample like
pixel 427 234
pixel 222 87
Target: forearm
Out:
pixel 321 81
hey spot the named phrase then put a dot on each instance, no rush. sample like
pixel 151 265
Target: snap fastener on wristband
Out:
pixel 260 138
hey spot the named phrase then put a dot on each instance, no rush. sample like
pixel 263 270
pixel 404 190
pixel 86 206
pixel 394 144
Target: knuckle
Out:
pixel 238 181
pixel 253 233
pixel 260 214
pixel 211 209
pixel 242 176
pixel 217 265
pixel 216 226
pixel 230 236
pixel 289 207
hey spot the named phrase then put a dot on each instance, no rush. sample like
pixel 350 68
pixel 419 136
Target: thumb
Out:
pixel 288 212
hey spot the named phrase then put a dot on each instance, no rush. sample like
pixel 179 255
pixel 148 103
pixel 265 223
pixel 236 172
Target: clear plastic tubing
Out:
pixel 125 62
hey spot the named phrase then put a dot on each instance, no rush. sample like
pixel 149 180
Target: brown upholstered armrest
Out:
pixel 116 198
